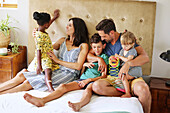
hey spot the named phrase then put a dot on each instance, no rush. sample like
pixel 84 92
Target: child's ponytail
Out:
pixel 37 16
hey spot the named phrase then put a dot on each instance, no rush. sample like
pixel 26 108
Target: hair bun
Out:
pixel 37 16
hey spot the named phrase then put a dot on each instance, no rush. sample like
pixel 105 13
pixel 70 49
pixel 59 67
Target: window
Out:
pixel 8 3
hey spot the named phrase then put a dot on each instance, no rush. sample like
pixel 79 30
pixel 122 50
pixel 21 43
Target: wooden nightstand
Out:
pixel 160 95
pixel 11 64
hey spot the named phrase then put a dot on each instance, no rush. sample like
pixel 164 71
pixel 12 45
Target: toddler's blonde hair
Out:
pixel 127 38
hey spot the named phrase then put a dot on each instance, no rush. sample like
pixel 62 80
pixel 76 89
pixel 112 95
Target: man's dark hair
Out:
pixel 106 25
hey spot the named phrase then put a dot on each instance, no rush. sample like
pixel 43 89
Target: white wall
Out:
pixel 162 39
pixel 21 15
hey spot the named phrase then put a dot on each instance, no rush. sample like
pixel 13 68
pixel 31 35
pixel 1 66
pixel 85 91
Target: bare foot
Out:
pixel 126 95
pixel 34 100
pixel 75 106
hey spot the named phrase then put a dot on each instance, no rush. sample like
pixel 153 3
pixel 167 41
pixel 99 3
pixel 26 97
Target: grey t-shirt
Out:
pixel 135 71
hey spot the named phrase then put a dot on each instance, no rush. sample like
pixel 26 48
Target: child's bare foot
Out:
pixel 34 100
pixel 75 106
pixel 126 95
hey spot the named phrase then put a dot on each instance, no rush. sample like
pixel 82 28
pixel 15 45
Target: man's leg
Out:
pixel 103 87
pixel 84 100
pixel 61 90
pixel 141 90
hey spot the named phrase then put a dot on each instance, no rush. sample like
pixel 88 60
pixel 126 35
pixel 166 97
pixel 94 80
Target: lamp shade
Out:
pixel 165 56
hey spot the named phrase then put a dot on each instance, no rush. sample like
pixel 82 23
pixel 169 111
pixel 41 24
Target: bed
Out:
pixel 136 16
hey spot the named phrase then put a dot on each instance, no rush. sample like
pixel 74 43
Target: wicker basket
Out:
pixel 4 40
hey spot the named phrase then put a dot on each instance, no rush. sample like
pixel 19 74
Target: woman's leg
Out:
pixel 84 100
pixel 102 87
pixel 25 86
pixel 61 90
pixel 18 79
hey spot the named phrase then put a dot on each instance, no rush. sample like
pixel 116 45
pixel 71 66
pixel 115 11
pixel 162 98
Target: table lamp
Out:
pixel 166 56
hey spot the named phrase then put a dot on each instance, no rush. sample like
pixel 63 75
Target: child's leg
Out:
pixel 84 100
pixel 126 86
pixel 61 90
pixel 18 79
pixel 48 81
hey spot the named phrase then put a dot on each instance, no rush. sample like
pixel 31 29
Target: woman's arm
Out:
pixel 73 65
pixel 57 44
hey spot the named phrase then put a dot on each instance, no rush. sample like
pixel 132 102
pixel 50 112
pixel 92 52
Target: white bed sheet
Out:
pixel 15 103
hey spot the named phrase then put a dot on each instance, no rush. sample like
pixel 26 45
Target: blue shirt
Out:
pixel 112 49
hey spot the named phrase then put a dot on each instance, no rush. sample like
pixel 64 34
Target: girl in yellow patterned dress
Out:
pixel 44 45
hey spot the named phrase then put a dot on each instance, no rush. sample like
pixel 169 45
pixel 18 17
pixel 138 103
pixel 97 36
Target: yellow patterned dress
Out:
pixel 43 43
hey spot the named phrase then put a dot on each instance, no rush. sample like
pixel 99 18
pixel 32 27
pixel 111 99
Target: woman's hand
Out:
pixel 56 13
pixel 89 65
pixel 39 69
pixel 83 83
pixel 52 56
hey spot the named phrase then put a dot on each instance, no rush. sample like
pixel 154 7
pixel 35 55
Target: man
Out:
pixel 107 30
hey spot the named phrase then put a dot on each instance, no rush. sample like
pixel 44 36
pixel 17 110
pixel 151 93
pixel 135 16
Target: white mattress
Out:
pixel 15 103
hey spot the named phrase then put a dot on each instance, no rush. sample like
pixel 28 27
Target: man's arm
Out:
pixel 101 63
pixel 141 59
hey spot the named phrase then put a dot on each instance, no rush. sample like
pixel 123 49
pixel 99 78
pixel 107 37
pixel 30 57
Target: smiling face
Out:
pixel 106 37
pixel 70 28
pixel 97 48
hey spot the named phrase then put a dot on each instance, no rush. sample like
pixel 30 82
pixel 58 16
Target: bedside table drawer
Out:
pixel 160 95
pixel 5 64
pixel 11 64
pixel 5 75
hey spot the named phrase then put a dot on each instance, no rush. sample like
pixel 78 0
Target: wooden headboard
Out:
pixel 135 16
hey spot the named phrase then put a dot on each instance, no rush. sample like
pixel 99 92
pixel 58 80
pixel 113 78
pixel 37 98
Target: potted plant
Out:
pixel 5 29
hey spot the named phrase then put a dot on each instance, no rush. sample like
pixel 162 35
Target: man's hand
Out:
pixel 102 66
pixel 124 69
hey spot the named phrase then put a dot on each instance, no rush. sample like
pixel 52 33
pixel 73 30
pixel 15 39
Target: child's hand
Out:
pixel 39 69
pixel 89 65
pixel 56 13
pixel 116 55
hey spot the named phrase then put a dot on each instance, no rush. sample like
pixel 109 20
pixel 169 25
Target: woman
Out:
pixel 72 54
